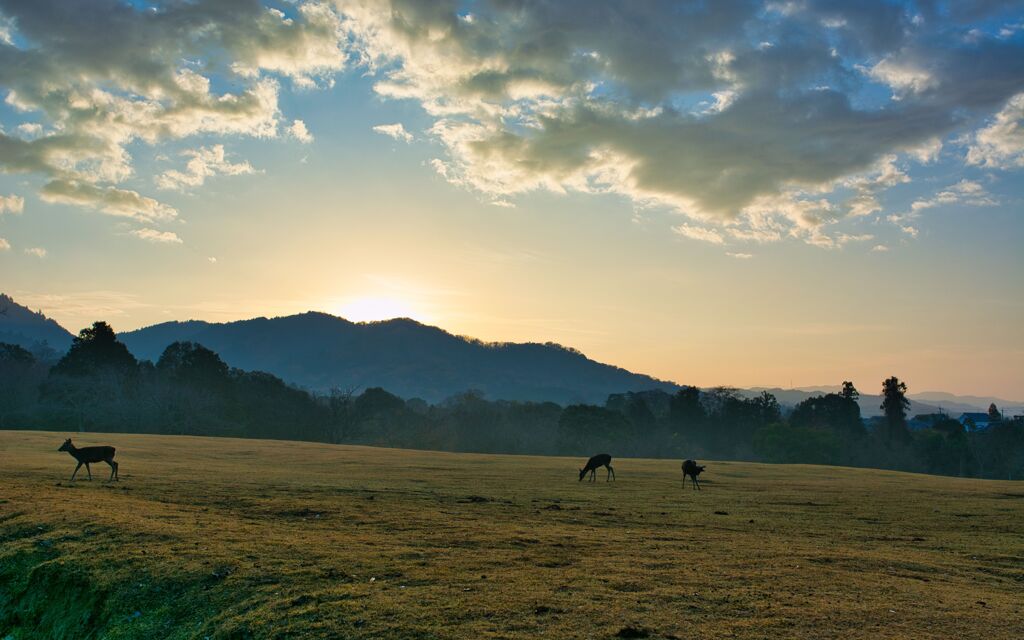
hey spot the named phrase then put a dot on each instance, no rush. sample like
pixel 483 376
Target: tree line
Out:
pixel 98 385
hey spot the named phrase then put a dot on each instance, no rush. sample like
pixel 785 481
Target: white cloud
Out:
pixel 740 256
pixel 30 129
pixel 699 233
pixel 160 237
pixel 205 162
pixel 110 200
pixel 140 74
pixel 38 252
pixel 299 131
pixel 396 131
pixel 12 204
pixel 4 245
pixel 521 106
pixel 903 76
pixel 965 192
pixel 1000 145
pixel 879 248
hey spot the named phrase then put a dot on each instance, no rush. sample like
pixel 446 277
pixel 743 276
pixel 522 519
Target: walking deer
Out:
pixel 600 460
pixel 87 455
pixel 692 469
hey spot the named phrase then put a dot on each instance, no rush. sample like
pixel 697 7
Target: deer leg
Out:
pixel 89 470
pixel 113 470
pixel 76 471
pixel 611 472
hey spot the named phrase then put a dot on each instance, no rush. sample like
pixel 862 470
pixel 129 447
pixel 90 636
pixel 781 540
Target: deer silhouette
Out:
pixel 600 460
pixel 87 455
pixel 692 469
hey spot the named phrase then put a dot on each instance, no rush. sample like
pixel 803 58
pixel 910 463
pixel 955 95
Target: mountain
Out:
pixel 22 326
pixel 320 351
pixel 870 405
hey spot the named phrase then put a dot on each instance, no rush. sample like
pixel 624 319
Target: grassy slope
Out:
pixel 243 538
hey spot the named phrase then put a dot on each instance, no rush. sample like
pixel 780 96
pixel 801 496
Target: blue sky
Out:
pixel 747 193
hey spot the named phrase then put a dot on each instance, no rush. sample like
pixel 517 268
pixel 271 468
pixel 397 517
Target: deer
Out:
pixel 87 455
pixel 692 469
pixel 600 460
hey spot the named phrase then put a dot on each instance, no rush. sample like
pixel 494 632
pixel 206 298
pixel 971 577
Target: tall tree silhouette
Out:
pixel 993 413
pixel 895 405
pixel 96 349
pixel 849 391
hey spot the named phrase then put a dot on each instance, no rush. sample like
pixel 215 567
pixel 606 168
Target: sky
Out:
pixel 763 193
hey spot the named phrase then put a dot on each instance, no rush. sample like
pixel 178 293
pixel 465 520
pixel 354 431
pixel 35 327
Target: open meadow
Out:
pixel 224 538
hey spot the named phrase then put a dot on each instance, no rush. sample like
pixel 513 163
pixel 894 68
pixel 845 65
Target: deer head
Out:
pixel 67 446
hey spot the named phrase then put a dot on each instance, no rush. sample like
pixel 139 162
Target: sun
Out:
pixel 370 309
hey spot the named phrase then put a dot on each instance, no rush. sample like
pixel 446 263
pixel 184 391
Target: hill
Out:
pixel 22 326
pixel 320 351
pixel 920 403
pixel 225 538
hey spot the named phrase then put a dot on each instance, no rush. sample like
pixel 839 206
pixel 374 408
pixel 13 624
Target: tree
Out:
pixel 993 413
pixel 18 381
pixel 94 350
pixel 895 405
pixel 849 391
pixel 686 415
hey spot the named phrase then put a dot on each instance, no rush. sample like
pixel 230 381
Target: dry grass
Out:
pixel 228 538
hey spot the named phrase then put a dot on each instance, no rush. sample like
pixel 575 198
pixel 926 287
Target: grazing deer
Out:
pixel 600 460
pixel 692 469
pixel 87 455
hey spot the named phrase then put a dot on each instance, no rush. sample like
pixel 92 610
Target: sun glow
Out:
pixel 375 308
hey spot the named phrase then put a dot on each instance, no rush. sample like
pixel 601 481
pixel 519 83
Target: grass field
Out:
pixel 228 538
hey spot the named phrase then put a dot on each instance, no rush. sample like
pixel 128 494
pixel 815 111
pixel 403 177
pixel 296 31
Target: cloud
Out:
pixel 298 131
pixel 965 192
pixel 396 131
pixel 110 200
pixel 101 76
pixel 725 111
pixel 204 163
pixel 740 256
pixel 4 245
pixel 1000 145
pixel 879 248
pixel 38 252
pixel 700 233
pixel 159 237
pixel 12 204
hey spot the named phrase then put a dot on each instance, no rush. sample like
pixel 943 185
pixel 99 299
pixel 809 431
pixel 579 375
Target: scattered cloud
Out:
pixel 159 237
pixel 700 233
pixel 740 256
pixel 12 204
pixel 1000 145
pixel 141 73
pixel 966 192
pixel 4 245
pixel 780 125
pixel 879 248
pixel 38 252
pixel 109 200
pixel 204 163
pixel 396 131
pixel 299 131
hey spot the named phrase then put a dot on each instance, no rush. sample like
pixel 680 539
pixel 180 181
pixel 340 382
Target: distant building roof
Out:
pixel 975 416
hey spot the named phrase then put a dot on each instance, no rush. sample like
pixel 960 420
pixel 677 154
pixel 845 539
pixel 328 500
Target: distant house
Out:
pixel 977 419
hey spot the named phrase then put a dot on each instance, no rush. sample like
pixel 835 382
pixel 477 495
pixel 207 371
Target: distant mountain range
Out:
pixel 920 403
pixel 319 351
pixel 30 329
